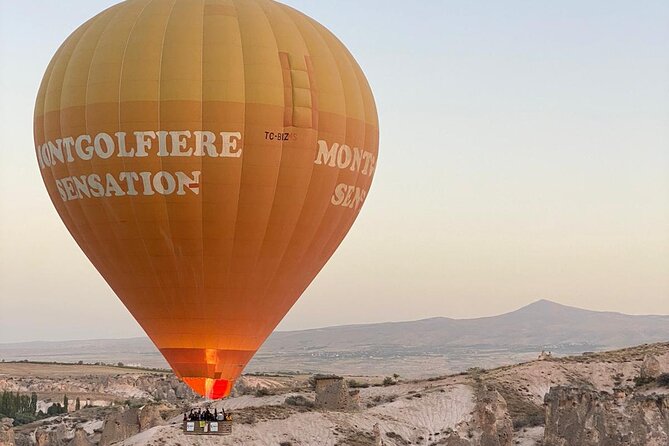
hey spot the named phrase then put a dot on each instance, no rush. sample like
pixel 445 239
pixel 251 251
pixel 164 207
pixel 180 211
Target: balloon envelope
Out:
pixel 208 156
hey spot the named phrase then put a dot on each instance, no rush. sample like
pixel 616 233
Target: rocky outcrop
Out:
pixel 6 432
pixel 332 393
pixel 490 425
pixel 80 438
pixel 127 422
pixel 56 437
pixel 23 440
pixel 119 426
pixel 585 417
pixel 650 368
pixel 150 417
pixel 491 416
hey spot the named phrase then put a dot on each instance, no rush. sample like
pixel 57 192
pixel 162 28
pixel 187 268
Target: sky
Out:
pixel 524 155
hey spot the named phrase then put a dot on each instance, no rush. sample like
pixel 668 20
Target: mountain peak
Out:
pixel 547 305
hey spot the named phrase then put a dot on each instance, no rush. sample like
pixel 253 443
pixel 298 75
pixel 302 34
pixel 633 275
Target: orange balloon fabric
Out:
pixel 208 156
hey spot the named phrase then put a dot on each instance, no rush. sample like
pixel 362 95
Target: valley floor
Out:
pixel 550 402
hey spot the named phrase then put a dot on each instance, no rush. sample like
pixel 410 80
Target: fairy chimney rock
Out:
pixel 332 393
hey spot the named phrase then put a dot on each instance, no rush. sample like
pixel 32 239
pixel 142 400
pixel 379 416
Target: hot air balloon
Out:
pixel 208 156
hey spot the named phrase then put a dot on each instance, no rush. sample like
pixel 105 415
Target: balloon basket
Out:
pixel 207 427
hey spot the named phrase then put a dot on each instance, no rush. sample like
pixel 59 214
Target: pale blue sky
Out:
pixel 524 155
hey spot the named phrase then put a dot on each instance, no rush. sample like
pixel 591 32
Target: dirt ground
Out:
pixel 19 369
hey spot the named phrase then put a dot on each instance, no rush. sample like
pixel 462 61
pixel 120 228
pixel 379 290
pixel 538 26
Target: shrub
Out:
pixel 298 401
pixel 663 380
pixel 262 391
pixel 314 378
pixel 388 381
pixel 24 418
pixel 639 381
pixel 55 409
pixel 529 420
pixel 383 399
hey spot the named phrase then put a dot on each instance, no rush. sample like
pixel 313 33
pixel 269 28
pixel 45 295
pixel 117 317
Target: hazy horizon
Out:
pixel 524 156
pixel 546 302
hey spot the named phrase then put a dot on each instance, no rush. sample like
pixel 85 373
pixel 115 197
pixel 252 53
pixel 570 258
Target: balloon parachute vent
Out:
pixel 213 389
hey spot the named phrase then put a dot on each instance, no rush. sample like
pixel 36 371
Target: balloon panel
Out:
pixel 208 156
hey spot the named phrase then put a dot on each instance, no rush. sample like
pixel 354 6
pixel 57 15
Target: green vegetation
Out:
pixel 23 407
pixel 476 373
pixel 353 384
pixel 317 376
pixel 298 401
pixel 55 409
pixel 13 404
pixel 642 381
pixel 389 381
pixel 663 380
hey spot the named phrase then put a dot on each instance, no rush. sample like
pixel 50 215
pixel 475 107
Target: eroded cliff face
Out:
pixel 127 422
pixel 586 417
pixel 490 424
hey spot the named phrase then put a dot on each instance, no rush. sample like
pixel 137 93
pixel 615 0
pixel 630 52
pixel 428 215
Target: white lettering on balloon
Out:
pixel 343 157
pixel 178 144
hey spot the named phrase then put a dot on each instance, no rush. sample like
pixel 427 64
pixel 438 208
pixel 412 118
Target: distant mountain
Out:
pixel 540 324
pixel 460 342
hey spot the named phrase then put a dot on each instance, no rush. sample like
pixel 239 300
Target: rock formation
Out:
pixel 56 437
pixel 6 432
pixel 149 417
pixel 376 431
pixel 650 368
pixel 127 422
pixel 80 438
pixel 492 418
pixel 490 425
pixel 119 426
pixel 332 393
pixel 585 417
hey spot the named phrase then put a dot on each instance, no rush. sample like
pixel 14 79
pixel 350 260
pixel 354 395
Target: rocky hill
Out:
pixel 611 398
pixel 540 324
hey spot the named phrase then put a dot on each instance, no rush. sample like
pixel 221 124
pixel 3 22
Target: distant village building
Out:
pixel 545 355
pixel 332 393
